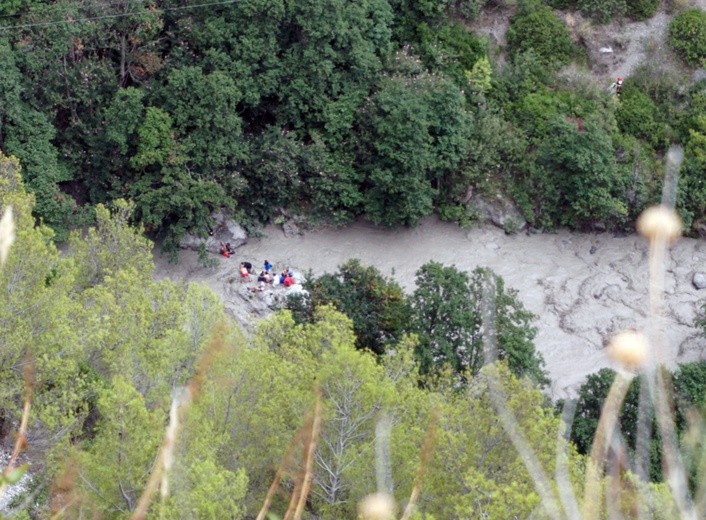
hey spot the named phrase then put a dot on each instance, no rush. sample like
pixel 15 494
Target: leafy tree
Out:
pixel 37 319
pixel 479 78
pixel 536 28
pixel 205 490
pixel 577 175
pixel 115 467
pixel 446 320
pixel 475 470
pixel 691 191
pixel 690 389
pixel 642 9
pixel 637 116
pixel 355 390
pixel 525 74
pixel 644 172
pixel 27 134
pixel 259 397
pixel 688 384
pixel 450 48
pixel 375 304
pixel 413 131
pixel 204 109
pixel 200 484
pixel 274 179
pixel 333 183
pixel 449 319
pixel 109 246
pixel 592 395
pixel 334 52
pixel 687 36
pixel 154 140
pixel 604 10
pixel 469 9
pixel 497 152
pixel 71 70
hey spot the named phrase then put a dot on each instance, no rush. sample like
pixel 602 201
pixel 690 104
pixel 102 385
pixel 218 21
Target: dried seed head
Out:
pixel 7 234
pixel 378 506
pixel 659 222
pixel 629 348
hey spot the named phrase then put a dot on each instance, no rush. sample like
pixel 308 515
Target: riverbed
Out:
pixel 582 287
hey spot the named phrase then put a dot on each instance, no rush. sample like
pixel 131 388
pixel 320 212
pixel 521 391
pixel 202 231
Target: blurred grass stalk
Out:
pixel 182 398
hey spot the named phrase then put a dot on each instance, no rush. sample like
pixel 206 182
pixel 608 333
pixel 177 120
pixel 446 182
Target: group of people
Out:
pixel 267 276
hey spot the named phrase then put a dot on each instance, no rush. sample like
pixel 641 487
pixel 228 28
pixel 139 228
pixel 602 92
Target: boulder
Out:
pixel 498 211
pixel 699 280
pixel 295 225
pixel 225 230
pixel 291 229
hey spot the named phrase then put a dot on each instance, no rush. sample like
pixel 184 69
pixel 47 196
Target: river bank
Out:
pixel 583 287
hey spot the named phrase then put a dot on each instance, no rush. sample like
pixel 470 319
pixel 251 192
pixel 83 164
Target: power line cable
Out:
pixel 118 15
pixel 66 7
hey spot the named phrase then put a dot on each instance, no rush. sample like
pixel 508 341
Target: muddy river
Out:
pixel 583 287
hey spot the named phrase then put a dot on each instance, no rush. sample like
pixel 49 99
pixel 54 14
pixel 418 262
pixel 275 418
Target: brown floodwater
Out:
pixel 582 287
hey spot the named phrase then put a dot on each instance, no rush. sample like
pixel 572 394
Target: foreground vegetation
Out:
pixel 109 345
pixel 387 108
pixel 111 352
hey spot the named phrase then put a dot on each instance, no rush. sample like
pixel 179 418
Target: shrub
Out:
pixel 536 28
pixel 636 116
pixel 450 48
pixel 643 170
pixel 580 184
pixel 662 85
pixel 603 10
pixel 687 36
pixel 469 9
pixel 562 4
pixel 642 9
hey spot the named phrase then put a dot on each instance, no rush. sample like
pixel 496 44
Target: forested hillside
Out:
pixel 390 109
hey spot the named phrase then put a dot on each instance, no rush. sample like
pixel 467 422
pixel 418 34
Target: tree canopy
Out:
pixel 385 109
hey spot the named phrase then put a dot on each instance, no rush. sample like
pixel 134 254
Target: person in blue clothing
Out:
pixel 268 266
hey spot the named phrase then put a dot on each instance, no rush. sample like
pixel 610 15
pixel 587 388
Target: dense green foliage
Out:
pixel 537 29
pixel 376 305
pixel 687 35
pixel 604 11
pixel 390 109
pixel 451 313
pixel 689 387
pixel 641 9
pixel 447 315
